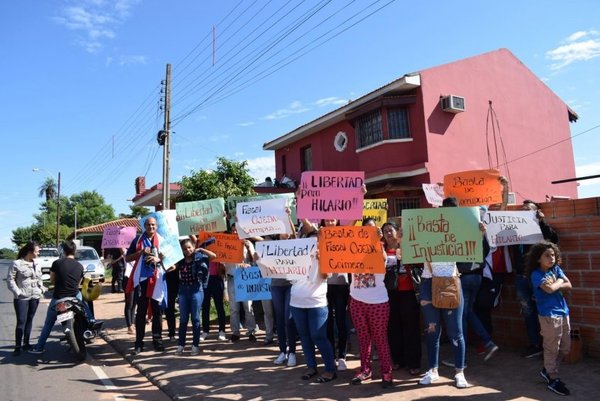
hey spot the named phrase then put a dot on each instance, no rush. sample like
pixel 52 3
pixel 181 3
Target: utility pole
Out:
pixel 164 140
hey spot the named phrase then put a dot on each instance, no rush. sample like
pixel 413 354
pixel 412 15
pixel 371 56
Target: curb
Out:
pixel 161 384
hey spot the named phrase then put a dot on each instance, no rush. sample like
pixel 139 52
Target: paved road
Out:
pixel 55 375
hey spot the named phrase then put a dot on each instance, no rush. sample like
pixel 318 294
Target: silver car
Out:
pixel 93 268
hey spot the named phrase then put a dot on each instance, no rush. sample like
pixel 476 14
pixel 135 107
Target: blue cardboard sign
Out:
pixel 250 285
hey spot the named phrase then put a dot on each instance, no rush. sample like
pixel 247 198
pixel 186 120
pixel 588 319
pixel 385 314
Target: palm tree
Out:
pixel 48 189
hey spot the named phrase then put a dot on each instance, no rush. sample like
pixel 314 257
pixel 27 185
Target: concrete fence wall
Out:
pixel 577 223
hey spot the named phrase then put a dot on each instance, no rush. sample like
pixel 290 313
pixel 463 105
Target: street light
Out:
pixel 35 170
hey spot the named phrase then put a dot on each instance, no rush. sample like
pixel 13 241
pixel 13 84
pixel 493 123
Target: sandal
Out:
pixel 414 371
pixel 309 374
pixel 323 379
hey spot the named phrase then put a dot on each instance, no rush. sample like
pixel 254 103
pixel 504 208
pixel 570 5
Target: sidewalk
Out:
pixel 245 371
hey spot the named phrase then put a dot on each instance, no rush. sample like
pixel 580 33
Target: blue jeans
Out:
pixel 51 319
pixel 453 320
pixel 524 292
pixel 311 324
pixel 286 329
pixel 190 303
pixel 470 284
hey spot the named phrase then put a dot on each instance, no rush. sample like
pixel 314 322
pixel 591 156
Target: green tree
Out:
pixel 136 212
pixel 6 253
pixel 230 178
pixel 48 189
pixel 91 210
pixel 22 235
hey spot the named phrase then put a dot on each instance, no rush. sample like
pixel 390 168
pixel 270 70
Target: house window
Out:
pixel 306 158
pixel 368 128
pixel 400 204
pixel 398 123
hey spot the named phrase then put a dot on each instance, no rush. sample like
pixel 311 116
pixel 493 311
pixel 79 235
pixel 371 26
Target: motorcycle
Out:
pixel 77 328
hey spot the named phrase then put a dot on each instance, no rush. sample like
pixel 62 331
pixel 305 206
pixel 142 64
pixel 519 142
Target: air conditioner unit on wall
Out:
pixel 452 104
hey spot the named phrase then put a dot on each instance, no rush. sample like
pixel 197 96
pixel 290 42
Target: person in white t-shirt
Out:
pixel 370 310
pixel 308 305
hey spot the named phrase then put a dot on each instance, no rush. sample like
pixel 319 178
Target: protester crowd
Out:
pixel 391 310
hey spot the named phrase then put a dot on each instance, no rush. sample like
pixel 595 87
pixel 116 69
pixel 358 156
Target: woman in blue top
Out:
pixel 192 272
pixel 548 281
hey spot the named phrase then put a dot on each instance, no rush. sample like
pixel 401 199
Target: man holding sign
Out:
pixel 147 273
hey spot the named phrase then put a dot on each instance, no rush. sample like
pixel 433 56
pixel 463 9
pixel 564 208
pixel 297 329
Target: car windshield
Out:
pixel 86 254
pixel 49 252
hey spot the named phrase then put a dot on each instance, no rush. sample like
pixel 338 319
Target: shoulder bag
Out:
pixel 445 291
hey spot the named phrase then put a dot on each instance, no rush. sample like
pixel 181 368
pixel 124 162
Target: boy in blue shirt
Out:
pixel 548 282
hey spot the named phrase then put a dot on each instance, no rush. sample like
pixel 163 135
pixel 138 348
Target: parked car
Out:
pixel 93 268
pixel 45 259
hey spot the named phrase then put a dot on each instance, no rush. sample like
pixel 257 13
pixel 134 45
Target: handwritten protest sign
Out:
pixel 350 249
pixel 475 187
pixel 448 234
pixel 166 221
pixel 331 195
pixel 229 248
pixel 118 237
pixel 512 227
pixel 232 201
pixel 204 215
pixel 250 285
pixel 291 259
pixel 434 194
pixel 265 217
pixel 375 209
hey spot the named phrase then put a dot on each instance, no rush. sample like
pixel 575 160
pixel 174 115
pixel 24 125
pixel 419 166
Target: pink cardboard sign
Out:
pixel 331 195
pixel 118 237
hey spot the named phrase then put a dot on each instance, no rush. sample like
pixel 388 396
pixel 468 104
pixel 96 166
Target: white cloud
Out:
pixel 579 46
pixel 295 107
pixel 246 124
pixel 261 167
pixel 585 170
pixel 330 101
pixel 94 20
pixel 126 60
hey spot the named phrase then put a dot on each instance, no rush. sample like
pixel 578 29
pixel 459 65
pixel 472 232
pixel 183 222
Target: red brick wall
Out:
pixel 577 223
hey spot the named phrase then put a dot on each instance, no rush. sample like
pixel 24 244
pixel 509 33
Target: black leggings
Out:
pixel 25 310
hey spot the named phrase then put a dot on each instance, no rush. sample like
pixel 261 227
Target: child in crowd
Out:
pixel 548 282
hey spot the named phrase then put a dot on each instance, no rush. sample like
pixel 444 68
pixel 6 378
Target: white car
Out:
pixel 93 268
pixel 45 259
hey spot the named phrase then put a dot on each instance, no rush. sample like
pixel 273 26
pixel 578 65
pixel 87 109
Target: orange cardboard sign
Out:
pixel 350 249
pixel 229 248
pixel 474 187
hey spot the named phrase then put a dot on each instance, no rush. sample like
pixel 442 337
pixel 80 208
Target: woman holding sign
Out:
pixel 192 275
pixel 433 318
pixel 404 330
pixel 370 313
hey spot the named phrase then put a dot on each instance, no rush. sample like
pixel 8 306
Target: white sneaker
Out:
pixel 342 364
pixel 430 377
pixel 291 359
pixel 490 351
pixel 179 350
pixel 222 336
pixel 203 336
pixel 280 359
pixel 195 350
pixel 461 382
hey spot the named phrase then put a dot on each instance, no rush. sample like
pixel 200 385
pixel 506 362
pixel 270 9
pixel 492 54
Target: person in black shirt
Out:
pixel 66 274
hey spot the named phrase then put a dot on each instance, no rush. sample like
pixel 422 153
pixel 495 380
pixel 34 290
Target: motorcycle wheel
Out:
pixel 76 340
